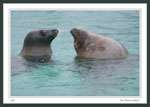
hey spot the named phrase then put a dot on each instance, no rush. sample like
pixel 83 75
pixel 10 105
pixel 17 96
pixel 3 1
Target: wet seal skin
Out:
pixel 96 46
pixel 38 43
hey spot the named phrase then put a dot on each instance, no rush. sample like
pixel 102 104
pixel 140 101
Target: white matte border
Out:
pixel 74 99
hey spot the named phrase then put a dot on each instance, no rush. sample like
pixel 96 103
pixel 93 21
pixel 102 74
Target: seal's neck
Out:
pixel 36 51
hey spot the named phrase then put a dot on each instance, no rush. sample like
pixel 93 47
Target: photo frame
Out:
pixel 74 100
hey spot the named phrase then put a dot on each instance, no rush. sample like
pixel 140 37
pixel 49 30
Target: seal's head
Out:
pixel 40 37
pixel 80 40
pixel 37 43
pixel 78 33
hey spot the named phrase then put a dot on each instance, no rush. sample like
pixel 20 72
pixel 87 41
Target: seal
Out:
pixel 91 45
pixel 38 43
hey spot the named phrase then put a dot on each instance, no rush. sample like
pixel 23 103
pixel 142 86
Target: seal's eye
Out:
pixel 78 33
pixel 42 33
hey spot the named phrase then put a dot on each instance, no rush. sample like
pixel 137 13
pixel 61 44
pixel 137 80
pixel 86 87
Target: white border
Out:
pixel 69 100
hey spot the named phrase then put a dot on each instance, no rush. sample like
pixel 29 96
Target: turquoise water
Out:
pixel 65 75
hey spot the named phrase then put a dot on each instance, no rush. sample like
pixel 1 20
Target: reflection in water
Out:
pixel 37 59
pixel 104 70
pixel 81 77
pixel 21 65
pixel 101 76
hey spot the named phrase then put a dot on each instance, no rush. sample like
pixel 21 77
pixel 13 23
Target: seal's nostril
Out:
pixel 71 31
pixel 55 30
pixel 74 30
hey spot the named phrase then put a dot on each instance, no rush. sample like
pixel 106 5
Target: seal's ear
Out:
pixel 42 33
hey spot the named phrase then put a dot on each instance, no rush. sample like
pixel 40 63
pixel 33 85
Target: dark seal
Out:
pixel 38 43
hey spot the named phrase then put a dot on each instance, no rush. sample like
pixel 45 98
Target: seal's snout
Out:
pixel 73 30
pixel 55 31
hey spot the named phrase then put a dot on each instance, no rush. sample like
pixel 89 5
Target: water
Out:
pixel 66 75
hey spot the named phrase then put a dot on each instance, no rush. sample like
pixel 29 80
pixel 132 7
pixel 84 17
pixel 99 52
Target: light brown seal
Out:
pixel 91 45
pixel 38 43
